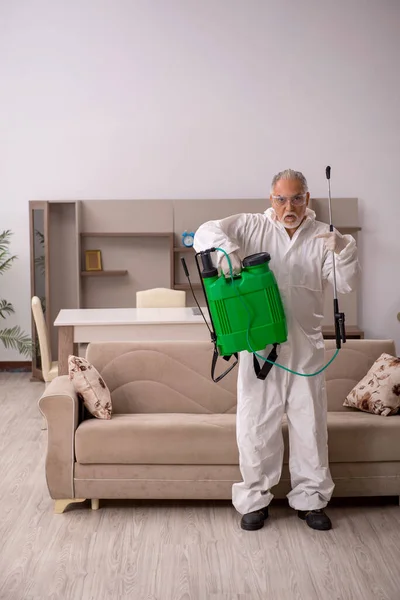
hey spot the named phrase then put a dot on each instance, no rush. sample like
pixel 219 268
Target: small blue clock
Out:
pixel 188 239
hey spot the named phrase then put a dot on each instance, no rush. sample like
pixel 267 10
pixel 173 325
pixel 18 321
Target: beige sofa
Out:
pixel 172 434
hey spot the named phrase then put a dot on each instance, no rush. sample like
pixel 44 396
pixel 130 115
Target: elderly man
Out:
pixel 301 259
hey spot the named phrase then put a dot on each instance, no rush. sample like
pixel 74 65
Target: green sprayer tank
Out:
pixel 249 307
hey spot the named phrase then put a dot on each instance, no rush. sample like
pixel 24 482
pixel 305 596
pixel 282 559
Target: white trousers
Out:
pixel 261 406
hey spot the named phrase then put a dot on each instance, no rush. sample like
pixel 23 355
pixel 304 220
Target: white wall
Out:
pixel 203 99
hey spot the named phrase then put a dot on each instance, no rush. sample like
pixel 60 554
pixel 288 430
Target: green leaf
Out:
pixel 5 307
pixel 5 239
pixel 40 236
pixel 6 259
pixel 40 264
pixel 14 338
pixel 6 264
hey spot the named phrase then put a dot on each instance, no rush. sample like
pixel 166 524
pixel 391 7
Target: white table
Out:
pixel 86 325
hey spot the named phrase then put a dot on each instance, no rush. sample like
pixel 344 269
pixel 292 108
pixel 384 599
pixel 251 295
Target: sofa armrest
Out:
pixel 60 405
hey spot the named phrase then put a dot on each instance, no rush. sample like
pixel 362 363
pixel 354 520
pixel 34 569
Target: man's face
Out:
pixel 289 203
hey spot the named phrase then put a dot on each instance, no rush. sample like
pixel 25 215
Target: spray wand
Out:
pixel 340 331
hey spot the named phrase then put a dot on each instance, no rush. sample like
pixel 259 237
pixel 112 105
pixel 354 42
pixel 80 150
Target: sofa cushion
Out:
pixel 163 377
pixel 210 439
pixel 359 437
pixel 379 391
pixel 362 437
pixel 354 360
pixel 90 387
pixel 162 438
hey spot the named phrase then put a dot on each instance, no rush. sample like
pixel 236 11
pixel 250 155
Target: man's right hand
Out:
pixel 223 265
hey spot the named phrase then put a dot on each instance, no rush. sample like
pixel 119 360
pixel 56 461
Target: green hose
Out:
pixel 249 326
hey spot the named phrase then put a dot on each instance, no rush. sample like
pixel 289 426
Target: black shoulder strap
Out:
pixel 263 371
pixel 214 363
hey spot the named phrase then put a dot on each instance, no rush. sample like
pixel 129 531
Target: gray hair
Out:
pixel 290 174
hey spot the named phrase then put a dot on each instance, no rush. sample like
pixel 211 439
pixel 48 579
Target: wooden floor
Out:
pixel 173 551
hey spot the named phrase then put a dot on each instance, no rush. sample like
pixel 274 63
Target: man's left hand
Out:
pixel 334 241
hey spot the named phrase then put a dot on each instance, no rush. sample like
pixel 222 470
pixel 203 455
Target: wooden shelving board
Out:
pixel 347 229
pixel 352 332
pixel 116 234
pixel 113 273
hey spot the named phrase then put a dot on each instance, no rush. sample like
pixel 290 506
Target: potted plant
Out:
pixel 12 337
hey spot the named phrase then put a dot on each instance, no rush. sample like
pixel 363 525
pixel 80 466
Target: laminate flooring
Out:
pixel 174 550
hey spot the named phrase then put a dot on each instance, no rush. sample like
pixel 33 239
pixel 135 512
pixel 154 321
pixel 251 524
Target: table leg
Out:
pixel 65 348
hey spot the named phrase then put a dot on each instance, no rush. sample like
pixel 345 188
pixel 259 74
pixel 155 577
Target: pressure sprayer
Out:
pixel 246 310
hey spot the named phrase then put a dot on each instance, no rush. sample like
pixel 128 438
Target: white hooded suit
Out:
pixel 301 265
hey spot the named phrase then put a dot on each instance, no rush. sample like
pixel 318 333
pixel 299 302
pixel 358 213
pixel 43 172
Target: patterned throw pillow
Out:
pixel 379 391
pixel 90 386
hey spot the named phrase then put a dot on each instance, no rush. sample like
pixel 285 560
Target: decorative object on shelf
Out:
pixel 113 273
pixel 188 239
pixel 93 260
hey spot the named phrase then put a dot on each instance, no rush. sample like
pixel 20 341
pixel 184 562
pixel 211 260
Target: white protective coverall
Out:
pixel 301 265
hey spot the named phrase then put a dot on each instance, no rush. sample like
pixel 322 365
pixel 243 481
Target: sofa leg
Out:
pixel 61 505
pixel 95 504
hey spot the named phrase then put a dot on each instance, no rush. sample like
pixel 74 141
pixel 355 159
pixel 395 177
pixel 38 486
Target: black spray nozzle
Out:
pixel 328 172
pixel 208 266
pixel 340 329
pixel 186 270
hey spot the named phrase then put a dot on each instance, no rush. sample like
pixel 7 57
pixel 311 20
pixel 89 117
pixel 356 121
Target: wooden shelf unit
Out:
pixel 130 234
pixel 109 273
pixel 154 251
pixel 184 249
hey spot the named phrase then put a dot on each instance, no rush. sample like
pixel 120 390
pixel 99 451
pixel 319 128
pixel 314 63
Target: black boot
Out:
pixel 316 519
pixel 254 520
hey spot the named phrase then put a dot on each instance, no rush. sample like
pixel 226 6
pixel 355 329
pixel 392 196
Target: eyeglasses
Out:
pixel 298 200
